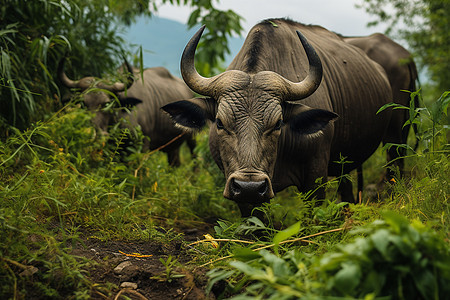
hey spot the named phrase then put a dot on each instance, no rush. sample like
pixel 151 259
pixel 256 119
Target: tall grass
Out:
pixel 34 36
pixel 60 180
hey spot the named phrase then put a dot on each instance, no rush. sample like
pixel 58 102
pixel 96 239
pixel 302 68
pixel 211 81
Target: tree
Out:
pixel 425 26
pixel 220 26
pixel 34 36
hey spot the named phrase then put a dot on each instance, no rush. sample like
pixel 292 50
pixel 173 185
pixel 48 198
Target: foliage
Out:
pixel 426 193
pixel 34 263
pixel 424 24
pixel 214 43
pixel 168 275
pixel 430 122
pixel 35 35
pixel 60 179
pixel 79 165
pixel 394 259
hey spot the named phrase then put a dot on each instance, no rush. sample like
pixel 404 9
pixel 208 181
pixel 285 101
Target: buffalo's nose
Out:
pixel 251 191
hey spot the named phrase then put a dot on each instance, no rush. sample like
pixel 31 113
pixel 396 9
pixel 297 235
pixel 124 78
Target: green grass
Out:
pixel 62 182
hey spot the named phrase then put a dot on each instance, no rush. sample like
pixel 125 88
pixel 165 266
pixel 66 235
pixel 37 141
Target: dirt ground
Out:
pixel 135 268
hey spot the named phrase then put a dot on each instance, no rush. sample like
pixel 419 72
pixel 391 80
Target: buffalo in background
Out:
pixel 144 96
pixel 283 115
pixel 401 71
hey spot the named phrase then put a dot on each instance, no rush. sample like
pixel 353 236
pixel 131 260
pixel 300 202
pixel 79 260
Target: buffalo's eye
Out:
pixel 278 125
pixel 219 124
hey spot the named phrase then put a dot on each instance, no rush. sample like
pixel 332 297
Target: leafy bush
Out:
pixel 397 259
pixel 80 168
pixel 394 260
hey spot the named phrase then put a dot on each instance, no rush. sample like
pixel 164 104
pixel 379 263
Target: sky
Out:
pixel 340 16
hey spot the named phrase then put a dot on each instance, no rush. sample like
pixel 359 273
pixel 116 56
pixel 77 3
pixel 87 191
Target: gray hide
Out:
pixel 402 74
pixel 145 97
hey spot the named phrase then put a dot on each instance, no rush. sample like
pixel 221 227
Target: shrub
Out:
pixel 394 260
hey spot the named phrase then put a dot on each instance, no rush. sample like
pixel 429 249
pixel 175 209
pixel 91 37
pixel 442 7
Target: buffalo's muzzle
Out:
pixel 248 188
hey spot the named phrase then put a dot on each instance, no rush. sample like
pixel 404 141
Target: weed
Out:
pixel 169 274
pixel 431 130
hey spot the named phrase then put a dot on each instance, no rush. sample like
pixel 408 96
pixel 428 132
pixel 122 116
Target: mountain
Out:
pixel 163 42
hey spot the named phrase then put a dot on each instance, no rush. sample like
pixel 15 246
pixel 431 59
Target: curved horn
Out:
pixel 63 77
pixel 309 85
pixel 120 86
pixel 195 81
pixel 130 77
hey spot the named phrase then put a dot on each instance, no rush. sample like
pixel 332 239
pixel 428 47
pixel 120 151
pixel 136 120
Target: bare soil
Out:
pixel 134 269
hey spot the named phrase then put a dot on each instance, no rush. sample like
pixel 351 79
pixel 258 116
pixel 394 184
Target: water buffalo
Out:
pixel 146 97
pixel 272 131
pixel 402 75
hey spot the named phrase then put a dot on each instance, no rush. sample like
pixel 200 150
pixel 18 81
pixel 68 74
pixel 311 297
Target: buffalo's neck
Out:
pixel 302 160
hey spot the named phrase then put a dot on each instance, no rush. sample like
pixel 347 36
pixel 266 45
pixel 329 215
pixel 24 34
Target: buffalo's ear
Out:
pixel 66 98
pixel 192 113
pixel 129 101
pixel 306 120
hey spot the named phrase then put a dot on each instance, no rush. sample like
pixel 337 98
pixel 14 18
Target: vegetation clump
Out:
pixel 389 259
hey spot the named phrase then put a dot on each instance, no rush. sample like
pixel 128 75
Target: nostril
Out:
pixel 262 189
pixel 235 188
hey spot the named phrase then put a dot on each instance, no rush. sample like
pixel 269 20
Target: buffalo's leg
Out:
pixel 396 134
pixel 359 173
pixel 191 144
pixel 345 189
pixel 174 157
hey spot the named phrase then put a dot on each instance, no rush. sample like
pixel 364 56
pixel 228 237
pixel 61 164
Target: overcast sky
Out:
pixel 340 16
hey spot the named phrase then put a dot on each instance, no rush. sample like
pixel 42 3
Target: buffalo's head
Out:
pixel 98 94
pixel 249 112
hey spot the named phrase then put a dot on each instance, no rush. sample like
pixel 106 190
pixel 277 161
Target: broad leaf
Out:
pixel 285 234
